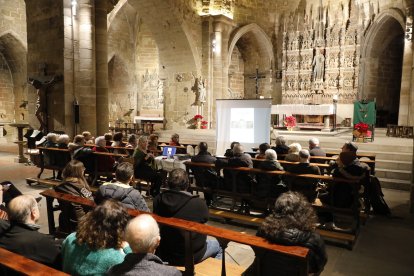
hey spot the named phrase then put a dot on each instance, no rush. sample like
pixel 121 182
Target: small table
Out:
pixel 20 143
pixel 168 165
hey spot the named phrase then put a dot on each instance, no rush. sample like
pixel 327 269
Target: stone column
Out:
pixel 101 44
pixel 85 75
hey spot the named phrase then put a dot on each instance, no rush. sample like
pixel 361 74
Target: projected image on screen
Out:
pixel 242 125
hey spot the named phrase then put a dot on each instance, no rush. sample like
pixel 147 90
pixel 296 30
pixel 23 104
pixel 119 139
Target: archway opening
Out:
pixel 384 70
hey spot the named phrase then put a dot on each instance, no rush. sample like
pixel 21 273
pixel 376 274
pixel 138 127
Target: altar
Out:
pixel 307 115
pixel 147 123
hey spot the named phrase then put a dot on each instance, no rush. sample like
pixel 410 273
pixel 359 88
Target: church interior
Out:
pixel 161 66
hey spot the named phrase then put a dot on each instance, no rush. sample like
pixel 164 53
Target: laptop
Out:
pixel 169 151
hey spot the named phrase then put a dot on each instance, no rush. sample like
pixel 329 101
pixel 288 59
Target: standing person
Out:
pixel 99 242
pixel 21 235
pixel 143 235
pixel 74 183
pixel 145 166
pixel 121 189
pixel 292 223
pixel 205 177
pixel 178 203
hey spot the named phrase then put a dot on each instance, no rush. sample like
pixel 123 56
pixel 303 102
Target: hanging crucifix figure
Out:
pixel 41 102
pixel 257 77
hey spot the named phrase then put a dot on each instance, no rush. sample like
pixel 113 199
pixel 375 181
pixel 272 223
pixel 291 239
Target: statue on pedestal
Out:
pixel 199 89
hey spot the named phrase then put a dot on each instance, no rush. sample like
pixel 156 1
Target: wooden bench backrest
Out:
pixel 296 253
pixel 10 261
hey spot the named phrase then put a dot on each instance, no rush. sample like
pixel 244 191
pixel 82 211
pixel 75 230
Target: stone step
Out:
pixel 393 165
pixel 393 174
pixel 395 184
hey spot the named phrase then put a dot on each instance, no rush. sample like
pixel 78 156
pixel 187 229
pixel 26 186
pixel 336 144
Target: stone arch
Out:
pixel 244 42
pixel 381 64
pixel 14 51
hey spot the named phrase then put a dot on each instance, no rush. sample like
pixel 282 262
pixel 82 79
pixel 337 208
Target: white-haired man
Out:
pixel 143 235
pixel 21 235
pixel 314 148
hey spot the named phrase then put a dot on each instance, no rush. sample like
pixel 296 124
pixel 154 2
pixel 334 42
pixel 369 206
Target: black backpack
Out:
pixel 376 197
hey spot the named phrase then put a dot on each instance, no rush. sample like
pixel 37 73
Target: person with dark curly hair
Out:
pixel 292 223
pixel 99 242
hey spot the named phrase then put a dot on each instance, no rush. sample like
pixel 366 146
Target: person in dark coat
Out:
pixel 292 223
pixel 306 186
pixel 105 163
pixel 178 203
pixel 143 235
pixel 281 147
pixel 74 183
pixel 229 152
pixel 269 185
pixel 121 189
pixel 21 235
pixel 262 149
pixel 314 148
pixel 205 177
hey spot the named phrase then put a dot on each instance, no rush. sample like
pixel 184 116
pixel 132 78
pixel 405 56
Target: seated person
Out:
pixel 51 142
pixel 262 148
pixel 314 148
pixel 293 153
pixel 178 203
pixel 62 158
pixel 143 236
pixel 269 185
pixel 78 142
pixel 305 186
pixel 82 153
pixel 205 177
pixel 175 141
pixel 63 141
pixel 281 147
pixel 21 235
pixel 108 139
pixel 132 141
pixel 153 144
pixel 292 223
pixel 105 163
pixel 74 183
pixel 121 190
pixel 229 152
pixel 118 136
pixel 145 166
pixel 99 242
pixel 87 136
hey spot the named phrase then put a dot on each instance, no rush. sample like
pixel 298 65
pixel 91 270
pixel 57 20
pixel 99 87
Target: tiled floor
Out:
pixel 385 245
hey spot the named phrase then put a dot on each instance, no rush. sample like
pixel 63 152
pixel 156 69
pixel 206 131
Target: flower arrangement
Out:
pixel 361 130
pixel 290 121
pixel 197 117
pixel 204 124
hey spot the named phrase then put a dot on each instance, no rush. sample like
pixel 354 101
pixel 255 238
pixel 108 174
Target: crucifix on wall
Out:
pixel 257 77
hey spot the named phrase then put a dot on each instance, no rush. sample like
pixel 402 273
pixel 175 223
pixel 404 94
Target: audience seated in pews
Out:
pixel 293 153
pixel 87 136
pixel 105 163
pixel 74 183
pixel 7 192
pixel 21 235
pixel 132 141
pixel 281 147
pixel 51 140
pixel 314 148
pixel 63 141
pixel 121 190
pixel 143 235
pixel 307 187
pixel 178 203
pixel 145 166
pixel 269 185
pixel 205 177
pixel 229 152
pixel 292 223
pixel 262 149
pixel 99 242
pixel 108 139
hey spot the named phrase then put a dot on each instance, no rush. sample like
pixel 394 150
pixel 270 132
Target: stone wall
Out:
pixel 6 92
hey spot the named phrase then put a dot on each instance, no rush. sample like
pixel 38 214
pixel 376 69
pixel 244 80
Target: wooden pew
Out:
pixel 65 154
pixel 354 211
pixel 16 264
pixel 294 254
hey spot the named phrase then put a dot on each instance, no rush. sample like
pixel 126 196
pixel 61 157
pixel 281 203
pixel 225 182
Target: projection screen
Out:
pixel 244 121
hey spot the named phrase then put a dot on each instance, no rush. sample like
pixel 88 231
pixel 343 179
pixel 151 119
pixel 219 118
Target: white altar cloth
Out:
pixel 303 109
pixel 138 119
